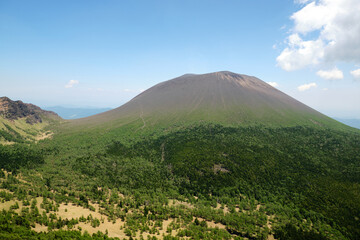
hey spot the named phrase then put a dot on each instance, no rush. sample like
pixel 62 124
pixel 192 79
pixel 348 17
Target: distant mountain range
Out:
pixel 350 122
pixel 75 113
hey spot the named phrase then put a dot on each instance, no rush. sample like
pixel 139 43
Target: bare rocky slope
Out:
pixel 222 97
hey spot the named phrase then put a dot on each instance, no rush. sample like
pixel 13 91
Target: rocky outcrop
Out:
pixel 14 110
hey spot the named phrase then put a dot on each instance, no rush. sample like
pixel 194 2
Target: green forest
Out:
pixel 204 181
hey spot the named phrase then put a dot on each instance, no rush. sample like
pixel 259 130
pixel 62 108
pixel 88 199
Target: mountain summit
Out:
pixel 223 97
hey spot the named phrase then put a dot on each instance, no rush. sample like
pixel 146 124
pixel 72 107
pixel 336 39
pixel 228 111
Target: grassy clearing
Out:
pixel 72 211
pixel 113 229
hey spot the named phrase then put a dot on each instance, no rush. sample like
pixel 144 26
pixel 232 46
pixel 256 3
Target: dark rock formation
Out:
pixel 14 110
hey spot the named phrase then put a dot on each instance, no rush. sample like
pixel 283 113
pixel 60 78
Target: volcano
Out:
pixel 219 97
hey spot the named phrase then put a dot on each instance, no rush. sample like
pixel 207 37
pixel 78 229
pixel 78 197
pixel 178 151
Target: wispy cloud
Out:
pixel 71 83
pixel 306 87
pixel 273 84
pixel 333 74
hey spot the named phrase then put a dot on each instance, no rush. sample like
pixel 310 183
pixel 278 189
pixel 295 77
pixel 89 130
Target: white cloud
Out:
pixel 333 74
pixel 71 83
pixel 273 84
pixel 356 73
pixel 300 53
pixel 324 31
pixel 314 16
pixel 306 87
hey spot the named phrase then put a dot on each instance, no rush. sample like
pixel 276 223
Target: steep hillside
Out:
pixel 21 122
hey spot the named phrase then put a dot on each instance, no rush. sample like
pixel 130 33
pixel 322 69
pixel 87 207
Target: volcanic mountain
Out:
pixel 226 148
pixel 224 134
pixel 221 97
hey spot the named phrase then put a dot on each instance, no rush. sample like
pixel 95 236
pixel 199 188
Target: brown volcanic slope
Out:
pixel 220 97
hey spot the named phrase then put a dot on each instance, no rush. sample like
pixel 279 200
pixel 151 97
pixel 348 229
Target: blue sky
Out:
pixel 103 53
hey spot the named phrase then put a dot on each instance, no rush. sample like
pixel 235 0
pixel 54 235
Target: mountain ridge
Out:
pixel 14 110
